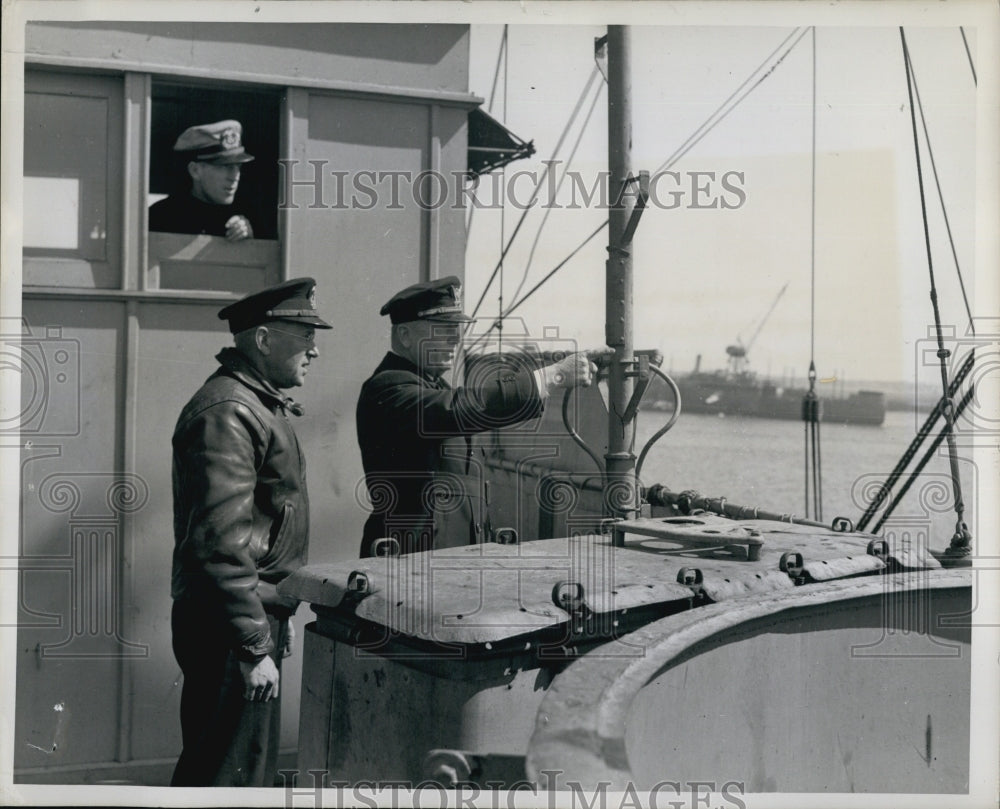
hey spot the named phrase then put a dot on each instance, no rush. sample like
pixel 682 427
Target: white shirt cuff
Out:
pixel 542 383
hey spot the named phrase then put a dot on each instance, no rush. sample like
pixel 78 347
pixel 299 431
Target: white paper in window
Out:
pixel 52 212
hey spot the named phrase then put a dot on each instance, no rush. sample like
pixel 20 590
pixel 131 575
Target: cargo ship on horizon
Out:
pixel 743 393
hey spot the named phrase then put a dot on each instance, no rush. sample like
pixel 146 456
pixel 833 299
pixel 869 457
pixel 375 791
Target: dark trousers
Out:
pixel 228 740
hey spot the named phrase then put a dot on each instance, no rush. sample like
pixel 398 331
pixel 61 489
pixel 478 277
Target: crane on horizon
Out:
pixel 737 352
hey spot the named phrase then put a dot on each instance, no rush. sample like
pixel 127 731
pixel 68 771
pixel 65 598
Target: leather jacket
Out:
pixel 241 511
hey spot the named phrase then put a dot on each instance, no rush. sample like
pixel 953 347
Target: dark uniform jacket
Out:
pixel 404 420
pixel 241 512
pixel 187 214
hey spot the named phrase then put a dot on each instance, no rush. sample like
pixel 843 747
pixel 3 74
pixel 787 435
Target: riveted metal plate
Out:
pixel 492 593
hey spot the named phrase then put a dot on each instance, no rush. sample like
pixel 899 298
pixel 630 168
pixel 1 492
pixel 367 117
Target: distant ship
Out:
pixel 743 393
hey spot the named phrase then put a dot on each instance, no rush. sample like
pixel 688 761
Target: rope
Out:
pixel 968 53
pixel 944 211
pixel 915 444
pixel 693 139
pixel 531 202
pixel 811 407
pixel 565 173
pixel 501 58
pixel 920 466
pixel 539 285
pixel 812 223
pixel 503 198
pixel 961 540
pixel 501 51
pixel 679 153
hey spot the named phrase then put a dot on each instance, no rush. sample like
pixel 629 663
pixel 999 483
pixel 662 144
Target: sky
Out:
pixel 706 277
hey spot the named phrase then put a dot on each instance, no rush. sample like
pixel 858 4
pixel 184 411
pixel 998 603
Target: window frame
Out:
pixel 130 270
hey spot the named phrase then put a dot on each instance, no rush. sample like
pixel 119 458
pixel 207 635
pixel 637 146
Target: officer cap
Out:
pixel 219 143
pixel 440 301
pixel 293 300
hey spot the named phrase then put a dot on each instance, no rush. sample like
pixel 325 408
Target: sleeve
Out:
pixel 217 457
pixel 157 216
pixel 501 399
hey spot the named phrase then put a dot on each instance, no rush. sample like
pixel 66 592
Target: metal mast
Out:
pixel 626 199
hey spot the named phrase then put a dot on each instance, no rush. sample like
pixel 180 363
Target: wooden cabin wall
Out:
pixel 97 685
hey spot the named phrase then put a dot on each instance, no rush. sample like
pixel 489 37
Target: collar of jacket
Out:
pixel 238 366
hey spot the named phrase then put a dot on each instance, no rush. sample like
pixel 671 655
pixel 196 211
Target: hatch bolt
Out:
pixel 385 546
pixel 358 582
pixel 568 595
pixel 878 548
pixel 690 576
pixel 507 536
pixel 792 564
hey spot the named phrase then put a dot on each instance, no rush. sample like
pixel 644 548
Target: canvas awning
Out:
pixel 492 145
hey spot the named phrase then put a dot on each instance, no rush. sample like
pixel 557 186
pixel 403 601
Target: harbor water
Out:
pixel 761 462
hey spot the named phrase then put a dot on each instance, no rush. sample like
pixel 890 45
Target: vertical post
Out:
pixel 432 212
pixel 620 496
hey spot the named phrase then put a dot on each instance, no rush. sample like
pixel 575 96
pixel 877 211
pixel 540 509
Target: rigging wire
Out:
pixel 698 134
pixel 961 540
pixel 688 144
pixel 501 56
pixel 555 192
pixel 811 406
pixel 531 202
pixel 931 452
pixel 503 203
pixel 884 490
pixel 944 211
pixel 708 125
pixel 972 65
pixel 559 266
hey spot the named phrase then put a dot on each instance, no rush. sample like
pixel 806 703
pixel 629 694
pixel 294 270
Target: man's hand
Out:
pixel 286 650
pixel 238 228
pixel 572 371
pixel 260 680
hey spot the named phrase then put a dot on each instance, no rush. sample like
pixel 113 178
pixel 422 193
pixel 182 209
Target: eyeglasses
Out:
pixel 310 340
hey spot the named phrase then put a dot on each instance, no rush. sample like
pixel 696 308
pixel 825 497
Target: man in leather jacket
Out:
pixel 241 525
pixel 406 413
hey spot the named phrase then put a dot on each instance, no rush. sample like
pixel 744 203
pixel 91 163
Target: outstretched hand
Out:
pixel 574 370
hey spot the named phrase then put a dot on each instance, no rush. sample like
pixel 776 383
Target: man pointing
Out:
pixel 406 411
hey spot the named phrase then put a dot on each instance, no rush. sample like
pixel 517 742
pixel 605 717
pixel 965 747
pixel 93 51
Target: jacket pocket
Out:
pixel 287 550
pixel 281 535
